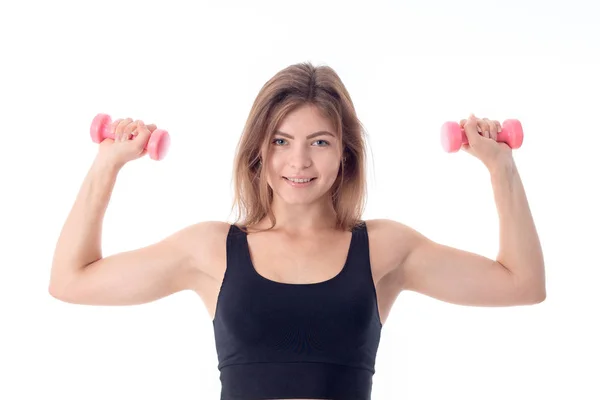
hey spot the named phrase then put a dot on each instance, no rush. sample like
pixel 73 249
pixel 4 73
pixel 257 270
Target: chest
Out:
pixel 315 297
pixel 299 261
pixel 312 261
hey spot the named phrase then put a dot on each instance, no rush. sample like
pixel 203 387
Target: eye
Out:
pixel 275 141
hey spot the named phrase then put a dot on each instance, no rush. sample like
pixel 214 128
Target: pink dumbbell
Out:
pixel 453 136
pixel 157 146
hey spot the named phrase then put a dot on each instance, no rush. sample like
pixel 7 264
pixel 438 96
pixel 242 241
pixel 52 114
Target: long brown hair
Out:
pixel 295 86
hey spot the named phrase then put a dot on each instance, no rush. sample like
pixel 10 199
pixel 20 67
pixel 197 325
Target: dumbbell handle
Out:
pixel 453 136
pixel 157 146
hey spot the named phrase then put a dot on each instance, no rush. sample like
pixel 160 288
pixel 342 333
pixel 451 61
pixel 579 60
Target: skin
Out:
pixel 401 258
pixel 306 210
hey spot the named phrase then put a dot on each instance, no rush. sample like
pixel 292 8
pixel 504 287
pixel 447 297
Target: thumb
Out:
pixel 471 132
pixel 143 134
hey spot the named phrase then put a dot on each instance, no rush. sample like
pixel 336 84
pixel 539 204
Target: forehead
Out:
pixel 304 121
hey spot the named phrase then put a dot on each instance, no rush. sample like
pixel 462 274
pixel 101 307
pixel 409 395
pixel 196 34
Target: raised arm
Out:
pixel 515 277
pixel 80 274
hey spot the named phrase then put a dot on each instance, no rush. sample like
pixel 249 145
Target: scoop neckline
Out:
pixel 277 283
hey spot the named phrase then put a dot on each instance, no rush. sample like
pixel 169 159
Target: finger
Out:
pixel 493 129
pixel 498 128
pixel 120 134
pixel 485 128
pixel 113 125
pixel 123 124
pixel 471 131
pixel 478 127
pixel 130 129
pixel 150 127
pixel 133 125
pixel 143 133
pixel 462 123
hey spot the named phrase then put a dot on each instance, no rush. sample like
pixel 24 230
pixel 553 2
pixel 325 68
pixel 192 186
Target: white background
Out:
pixel 194 68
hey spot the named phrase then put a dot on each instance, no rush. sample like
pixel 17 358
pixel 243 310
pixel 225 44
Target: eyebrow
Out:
pixel 312 135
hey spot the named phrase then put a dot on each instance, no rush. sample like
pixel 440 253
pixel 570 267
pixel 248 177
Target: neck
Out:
pixel 303 219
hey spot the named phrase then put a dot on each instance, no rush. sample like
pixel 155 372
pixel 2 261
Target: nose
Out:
pixel 299 158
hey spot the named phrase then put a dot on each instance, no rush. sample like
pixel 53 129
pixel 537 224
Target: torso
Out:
pixel 316 259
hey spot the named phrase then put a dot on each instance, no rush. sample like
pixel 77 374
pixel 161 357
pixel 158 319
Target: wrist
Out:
pixel 106 165
pixel 501 167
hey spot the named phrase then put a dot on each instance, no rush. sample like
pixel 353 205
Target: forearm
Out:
pixel 79 243
pixel 520 249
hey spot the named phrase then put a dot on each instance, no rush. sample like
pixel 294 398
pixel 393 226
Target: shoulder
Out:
pixel 204 242
pixel 205 233
pixel 390 232
pixel 390 243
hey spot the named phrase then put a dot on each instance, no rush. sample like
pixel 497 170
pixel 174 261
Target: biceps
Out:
pixel 129 278
pixel 459 277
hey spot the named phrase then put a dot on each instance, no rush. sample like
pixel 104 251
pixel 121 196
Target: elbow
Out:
pixel 537 298
pixel 539 289
pixel 53 285
pixel 57 286
pixel 55 291
pixel 531 289
pixel 541 295
pixel 61 294
pixel 534 294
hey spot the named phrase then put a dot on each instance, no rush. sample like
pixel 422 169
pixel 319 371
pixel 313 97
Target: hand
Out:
pixel 482 134
pixel 131 138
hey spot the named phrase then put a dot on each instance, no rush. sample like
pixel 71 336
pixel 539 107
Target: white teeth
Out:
pixel 299 180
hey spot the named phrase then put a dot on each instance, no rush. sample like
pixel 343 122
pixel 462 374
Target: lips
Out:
pixel 311 179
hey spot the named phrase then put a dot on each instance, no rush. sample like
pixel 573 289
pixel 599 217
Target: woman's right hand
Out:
pixel 129 143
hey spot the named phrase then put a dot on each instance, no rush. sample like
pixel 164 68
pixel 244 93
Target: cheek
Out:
pixel 272 173
pixel 334 166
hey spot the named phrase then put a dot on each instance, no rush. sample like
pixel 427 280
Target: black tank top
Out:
pixel 277 340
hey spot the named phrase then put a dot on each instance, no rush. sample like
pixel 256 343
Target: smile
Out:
pixel 299 183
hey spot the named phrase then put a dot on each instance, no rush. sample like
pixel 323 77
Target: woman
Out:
pixel 299 286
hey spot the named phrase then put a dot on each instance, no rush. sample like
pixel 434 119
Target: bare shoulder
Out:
pixel 390 242
pixel 205 242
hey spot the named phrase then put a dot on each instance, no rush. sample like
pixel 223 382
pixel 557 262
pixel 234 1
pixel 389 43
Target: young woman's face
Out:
pixel 304 146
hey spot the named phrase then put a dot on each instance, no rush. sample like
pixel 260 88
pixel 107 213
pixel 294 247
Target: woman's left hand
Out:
pixel 482 134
